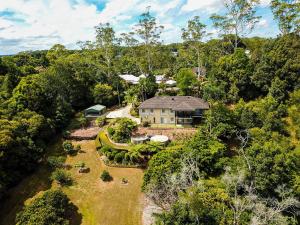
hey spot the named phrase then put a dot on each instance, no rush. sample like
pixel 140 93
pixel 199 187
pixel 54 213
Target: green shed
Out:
pixel 95 111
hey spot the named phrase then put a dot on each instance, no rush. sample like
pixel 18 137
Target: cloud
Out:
pixel 38 24
pixel 262 23
pixel 204 5
pixel 265 3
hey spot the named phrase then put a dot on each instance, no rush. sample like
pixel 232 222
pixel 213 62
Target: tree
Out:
pixel 193 35
pixel 50 208
pixel 234 71
pixel 106 43
pixel 104 94
pixel 185 80
pixel 55 52
pixel 287 12
pixel 147 87
pixel 219 121
pixel 149 33
pixel 121 129
pixel 239 18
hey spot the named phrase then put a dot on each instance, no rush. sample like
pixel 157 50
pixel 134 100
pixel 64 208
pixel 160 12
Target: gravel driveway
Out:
pixel 123 113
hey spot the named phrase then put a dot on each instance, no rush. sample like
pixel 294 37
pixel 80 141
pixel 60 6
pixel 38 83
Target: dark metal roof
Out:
pixel 177 103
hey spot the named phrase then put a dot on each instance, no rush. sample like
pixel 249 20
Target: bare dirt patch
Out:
pixel 89 133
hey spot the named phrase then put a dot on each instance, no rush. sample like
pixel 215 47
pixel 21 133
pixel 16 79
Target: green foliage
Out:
pixel 185 80
pixel 68 147
pixel 287 14
pixel 50 208
pixel 120 131
pixel 105 176
pixel 162 163
pixel 234 71
pixel 220 121
pixel 207 204
pixel 266 113
pixel 100 121
pixel 208 152
pixel 56 161
pixel 104 94
pixel 80 165
pixel 274 161
pixel 62 177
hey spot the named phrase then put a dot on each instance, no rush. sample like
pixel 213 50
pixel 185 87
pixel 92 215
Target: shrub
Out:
pixel 100 121
pixel 105 176
pixel 61 177
pixel 145 124
pixel 83 121
pixel 80 165
pixel 110 131
pixel 55 161
pixel 119 157
pixel 68 147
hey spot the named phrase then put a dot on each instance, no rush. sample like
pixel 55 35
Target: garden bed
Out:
pixel 171 133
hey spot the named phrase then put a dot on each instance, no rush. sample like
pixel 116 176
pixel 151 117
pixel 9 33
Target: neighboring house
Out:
pixel 172 109
pixel 95 111
pixel 129 78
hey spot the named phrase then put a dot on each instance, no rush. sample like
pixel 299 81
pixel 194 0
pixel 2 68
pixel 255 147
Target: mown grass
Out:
pixel 106 203
pixel 98 202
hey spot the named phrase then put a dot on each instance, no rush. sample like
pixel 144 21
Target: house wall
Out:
pixel 157 116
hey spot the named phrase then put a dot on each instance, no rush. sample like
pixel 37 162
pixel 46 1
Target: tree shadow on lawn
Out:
pixel 73 215
pixel 32 184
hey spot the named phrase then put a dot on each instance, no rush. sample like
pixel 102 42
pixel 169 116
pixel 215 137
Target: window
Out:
pixel 151 110
pixel 162 120
pixel 171 111
pixel 163 111
pixel 172 119
pixel 143 110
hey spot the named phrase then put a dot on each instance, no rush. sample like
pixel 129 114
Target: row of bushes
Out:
pixel 138 154
pixel 120 156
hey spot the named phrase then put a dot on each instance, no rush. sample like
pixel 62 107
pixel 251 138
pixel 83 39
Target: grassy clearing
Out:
pixel 98 202
pixel 101 202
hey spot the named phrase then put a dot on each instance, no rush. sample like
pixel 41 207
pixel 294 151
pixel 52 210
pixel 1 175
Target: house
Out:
pixel 129 78
pixel 172 110
pixel 94 111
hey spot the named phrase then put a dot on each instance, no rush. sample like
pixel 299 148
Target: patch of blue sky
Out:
pixel 12 16
pixel 100 4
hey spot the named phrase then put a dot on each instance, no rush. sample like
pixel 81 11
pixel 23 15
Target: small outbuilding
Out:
pixel 95 111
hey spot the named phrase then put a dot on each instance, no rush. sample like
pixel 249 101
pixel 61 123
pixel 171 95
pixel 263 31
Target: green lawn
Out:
pixel 99 203
pixel 105 141
pixel 104 203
